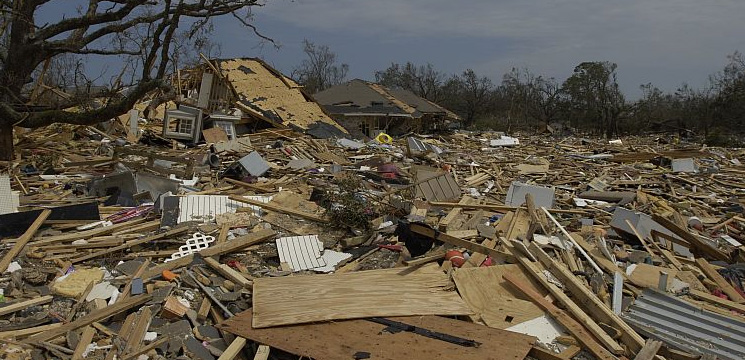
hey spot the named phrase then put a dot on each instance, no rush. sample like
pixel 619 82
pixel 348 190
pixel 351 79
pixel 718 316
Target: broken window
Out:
pixel 228 126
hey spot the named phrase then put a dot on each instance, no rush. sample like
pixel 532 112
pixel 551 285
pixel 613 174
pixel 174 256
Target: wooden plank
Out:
pixel 86 338
pixel 134 340
pixel 281 209
pixel 452 214
pixel 262 353
pixel 574 309
pixel 589 301
pixel 144 349
pixel 233 349
pixel 723 284
pixel 497 255
pixel 649 351
pixel 236 244
pixel 24 304
pixel 130 244
pixel 87 234
pixel 92 317
pixel 575 328
pixel 340 340
pixel 716 300
pixel 302 299
pixel 21 242
pixel 696 244
pixel 499 208
pixel 15 334
pixel 229 273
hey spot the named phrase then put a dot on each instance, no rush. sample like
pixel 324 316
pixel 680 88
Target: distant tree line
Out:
pixel 588 101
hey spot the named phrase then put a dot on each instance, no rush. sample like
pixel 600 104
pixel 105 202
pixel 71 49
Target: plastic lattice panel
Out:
pixel 197 242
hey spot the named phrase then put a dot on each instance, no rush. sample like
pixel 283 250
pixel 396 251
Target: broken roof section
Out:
pixel 363 98
pixel 263 93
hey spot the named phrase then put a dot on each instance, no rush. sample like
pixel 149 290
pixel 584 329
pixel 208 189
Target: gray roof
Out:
pixel 357 97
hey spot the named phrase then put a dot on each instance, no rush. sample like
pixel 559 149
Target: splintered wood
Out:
pixel 305 299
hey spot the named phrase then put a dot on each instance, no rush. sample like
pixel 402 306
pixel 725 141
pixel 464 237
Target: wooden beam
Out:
pixel 589 301
pixel 723 284
pixel 452 240
pixel 229 273
pixel 716 300
pixel 281 209
pixel 649 351
pixel 86 234
pixel 575 328
pixel 86 338
pixel 233 349
pixel 92 317
pixel 15 334
pixel 573 308
pixel 24 304
pixel 698 246
pixel 262 353
pixel 130 244
pixel 498 207
pixel 21 242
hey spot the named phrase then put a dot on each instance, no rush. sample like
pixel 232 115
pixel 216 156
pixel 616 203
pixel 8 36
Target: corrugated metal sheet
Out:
pixel 205 208
pixel 686 327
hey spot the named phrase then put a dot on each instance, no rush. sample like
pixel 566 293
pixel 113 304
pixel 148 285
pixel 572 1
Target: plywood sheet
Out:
pixel 388 292
pixel 341 340
pixel 492 299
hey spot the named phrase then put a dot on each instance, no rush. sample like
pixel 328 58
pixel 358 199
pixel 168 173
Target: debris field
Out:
pixel 278 245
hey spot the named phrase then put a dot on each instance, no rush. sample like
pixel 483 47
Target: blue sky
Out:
pixel 665 42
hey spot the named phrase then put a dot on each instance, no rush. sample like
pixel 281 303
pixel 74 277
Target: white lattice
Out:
pixel 197 242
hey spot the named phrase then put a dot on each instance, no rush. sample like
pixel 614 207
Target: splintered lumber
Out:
pixel 281 209
pixel 322 340
pixel 233 349
pixel 454 213
pixel 24 304
pixel 262 353
pixel 723 284
pixel 497 207
pixel 458 242
pixel 129 244
pixel 698 245
pixel 570 238
pixel 87 234
pixel 650 349
pixel 15 334
pixel 86 338
pixel 92 317
pixel 229 273
pixel 236 244
pixel 303 299
pixel 574 309
pixel 589 301
pixel 716 300
pixel 21 242
pixel 574 327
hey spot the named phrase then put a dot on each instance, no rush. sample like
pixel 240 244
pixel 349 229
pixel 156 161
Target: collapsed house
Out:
pixel 239 96
pixel 367 109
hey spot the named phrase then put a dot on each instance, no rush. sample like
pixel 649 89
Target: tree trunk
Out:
pixel 6 142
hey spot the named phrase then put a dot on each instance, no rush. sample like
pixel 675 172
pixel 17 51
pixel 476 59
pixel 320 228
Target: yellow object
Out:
pixel 384 138
pixel 74 284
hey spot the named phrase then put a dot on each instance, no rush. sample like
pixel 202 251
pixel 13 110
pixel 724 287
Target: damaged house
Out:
pixel 366 108
pixel 240 96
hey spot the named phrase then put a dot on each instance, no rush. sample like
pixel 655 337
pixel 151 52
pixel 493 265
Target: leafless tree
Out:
pixel 319 70
pixel 141 31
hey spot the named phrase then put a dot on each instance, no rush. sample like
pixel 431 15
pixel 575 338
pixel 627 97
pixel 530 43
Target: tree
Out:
pixel 531 98
pixel 423 80
pixel 319 71
pixel 594 97
pixel 140 32
pixel 469 95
